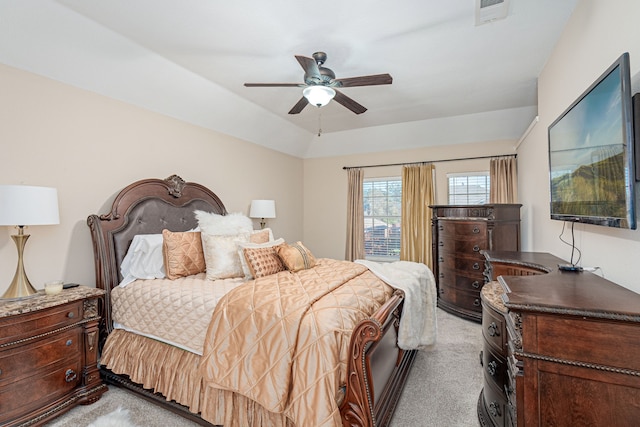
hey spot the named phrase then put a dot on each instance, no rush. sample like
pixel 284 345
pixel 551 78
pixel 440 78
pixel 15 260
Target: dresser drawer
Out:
pixel 493 329
pixel 462 228
pixel 40 353
pixel 471 245
pixel 495 368
pixel 462 299
pixel 453 279
pixel 35 392
pixel 15 328
pixel 496 404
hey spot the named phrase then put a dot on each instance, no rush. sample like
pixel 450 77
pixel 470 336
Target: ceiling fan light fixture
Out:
pixel 318 95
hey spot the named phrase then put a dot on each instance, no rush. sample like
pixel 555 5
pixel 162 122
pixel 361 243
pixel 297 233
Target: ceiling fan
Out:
pixel 320 85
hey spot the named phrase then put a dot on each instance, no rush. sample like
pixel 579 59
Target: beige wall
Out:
pixel 596 34
pixel 89 147
pixel 325 185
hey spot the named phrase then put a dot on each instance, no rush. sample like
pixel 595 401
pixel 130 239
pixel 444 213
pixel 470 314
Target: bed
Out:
pixel 180 379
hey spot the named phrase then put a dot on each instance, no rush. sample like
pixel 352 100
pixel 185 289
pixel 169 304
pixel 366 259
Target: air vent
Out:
pixel 490 10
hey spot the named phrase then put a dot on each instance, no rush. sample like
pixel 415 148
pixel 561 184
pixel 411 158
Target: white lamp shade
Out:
pixel 27 205
pixel 263 209
pixel 318 95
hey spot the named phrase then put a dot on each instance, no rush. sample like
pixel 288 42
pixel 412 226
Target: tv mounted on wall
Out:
pixel 591 154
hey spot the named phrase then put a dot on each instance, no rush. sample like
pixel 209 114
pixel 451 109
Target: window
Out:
pixel 469 188
pixel 382 214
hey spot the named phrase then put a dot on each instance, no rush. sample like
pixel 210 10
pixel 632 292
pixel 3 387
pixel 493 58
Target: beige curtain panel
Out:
pixel 504 180
pixel 355 215
pixel 418 193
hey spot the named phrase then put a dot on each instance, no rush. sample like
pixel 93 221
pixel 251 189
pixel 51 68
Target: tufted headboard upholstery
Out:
pixel 144 207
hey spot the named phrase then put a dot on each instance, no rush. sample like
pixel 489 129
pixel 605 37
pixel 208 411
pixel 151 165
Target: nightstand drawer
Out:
pixel 26 396
pixel 40 353
pixel 15 328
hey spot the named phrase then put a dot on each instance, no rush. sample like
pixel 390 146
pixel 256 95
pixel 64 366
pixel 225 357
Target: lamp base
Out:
pixel 20 286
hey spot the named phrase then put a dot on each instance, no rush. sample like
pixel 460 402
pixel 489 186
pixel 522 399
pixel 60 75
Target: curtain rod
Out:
pixel 430 161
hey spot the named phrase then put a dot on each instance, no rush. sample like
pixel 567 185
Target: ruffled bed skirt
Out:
pixel 174 373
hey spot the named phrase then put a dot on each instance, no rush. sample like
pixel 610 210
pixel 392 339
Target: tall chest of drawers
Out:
pixel 459 234
pixel 48 355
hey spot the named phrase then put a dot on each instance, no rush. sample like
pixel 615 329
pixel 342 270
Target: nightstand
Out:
pixel 48 355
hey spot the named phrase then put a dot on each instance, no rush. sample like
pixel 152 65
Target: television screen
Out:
pixel 591 154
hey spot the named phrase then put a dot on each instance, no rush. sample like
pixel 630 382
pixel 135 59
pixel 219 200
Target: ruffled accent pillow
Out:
pixel 296 256
pixel 221 255
pixel 182 253
pixel 263 261
pixel 223 225
pixel 248 274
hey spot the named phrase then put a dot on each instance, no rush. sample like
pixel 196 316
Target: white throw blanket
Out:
pixel 418 325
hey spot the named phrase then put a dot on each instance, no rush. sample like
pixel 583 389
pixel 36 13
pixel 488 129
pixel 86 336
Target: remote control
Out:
pixel 70 285
pixel 569 267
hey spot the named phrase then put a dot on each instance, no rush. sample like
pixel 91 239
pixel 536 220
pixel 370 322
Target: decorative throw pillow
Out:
pixel 263 261
pixel 221 255
pixel 243 260
pixel 223 225
pixel 182 253
pixel 296 256
pixel 261 236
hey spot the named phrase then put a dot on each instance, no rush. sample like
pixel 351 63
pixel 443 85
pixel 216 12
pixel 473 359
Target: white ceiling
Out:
pixel 189 59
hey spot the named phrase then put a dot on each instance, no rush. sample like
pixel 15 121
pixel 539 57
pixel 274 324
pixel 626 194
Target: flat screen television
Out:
pixel 591 154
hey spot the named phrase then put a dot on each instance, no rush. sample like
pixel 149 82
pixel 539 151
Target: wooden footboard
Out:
pixel 377 369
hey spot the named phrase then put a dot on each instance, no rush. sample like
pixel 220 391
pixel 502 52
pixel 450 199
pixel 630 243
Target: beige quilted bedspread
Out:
pixel 176 312
pixel 282 340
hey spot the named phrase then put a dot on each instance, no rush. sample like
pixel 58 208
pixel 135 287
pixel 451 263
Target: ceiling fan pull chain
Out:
pixel 319 121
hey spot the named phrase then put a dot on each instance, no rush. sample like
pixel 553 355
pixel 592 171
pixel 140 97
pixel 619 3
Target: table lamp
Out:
pixel 262 209
pixel 21 206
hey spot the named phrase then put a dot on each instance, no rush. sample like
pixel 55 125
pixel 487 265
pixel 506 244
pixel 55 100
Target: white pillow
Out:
pixel 221 255
pixel 243 260
pixel 223 225
pixel 143 259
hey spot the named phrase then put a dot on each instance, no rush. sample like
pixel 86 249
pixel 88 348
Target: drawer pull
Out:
pixel 476 302
pixel 0 371
pixel 441 275
pixel 440 243
pixel 441 259
pixel 440 227
pixel 481 355
pixel 491 368
pixel 476 266
pixel 71 315
pixel 494 409
pixel 70 375
pixel 476 248
pixel 476 230
pixel 493 330
pixel 69 342
pixel 475 285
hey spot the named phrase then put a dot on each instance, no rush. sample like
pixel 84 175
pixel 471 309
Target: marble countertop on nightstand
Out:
pixel 12 307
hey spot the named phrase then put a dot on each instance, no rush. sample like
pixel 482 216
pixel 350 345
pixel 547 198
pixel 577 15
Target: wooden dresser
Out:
pixel 459 233
pixel 48 355
pixel 570 345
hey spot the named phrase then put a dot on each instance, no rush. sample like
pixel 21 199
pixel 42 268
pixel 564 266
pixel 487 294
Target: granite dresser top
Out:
pixel 12 307
pixel 492 293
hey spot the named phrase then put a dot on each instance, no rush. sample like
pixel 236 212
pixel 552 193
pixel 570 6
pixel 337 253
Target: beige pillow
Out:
pixel 296 256
pixel 243 260
pixel 263 261
pixel 221 255
pixel 261 236
pixel 182 253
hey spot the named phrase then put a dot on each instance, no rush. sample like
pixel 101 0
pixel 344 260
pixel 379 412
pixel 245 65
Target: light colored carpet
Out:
pixel 442 389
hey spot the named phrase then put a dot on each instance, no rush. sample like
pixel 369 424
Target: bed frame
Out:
pixel 377 368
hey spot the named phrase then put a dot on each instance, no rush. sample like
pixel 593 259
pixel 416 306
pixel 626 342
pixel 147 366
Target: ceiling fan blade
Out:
pixel 274 85
pixel 345 101
pixel 373 80
pixel 299 106
pixel 309 66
